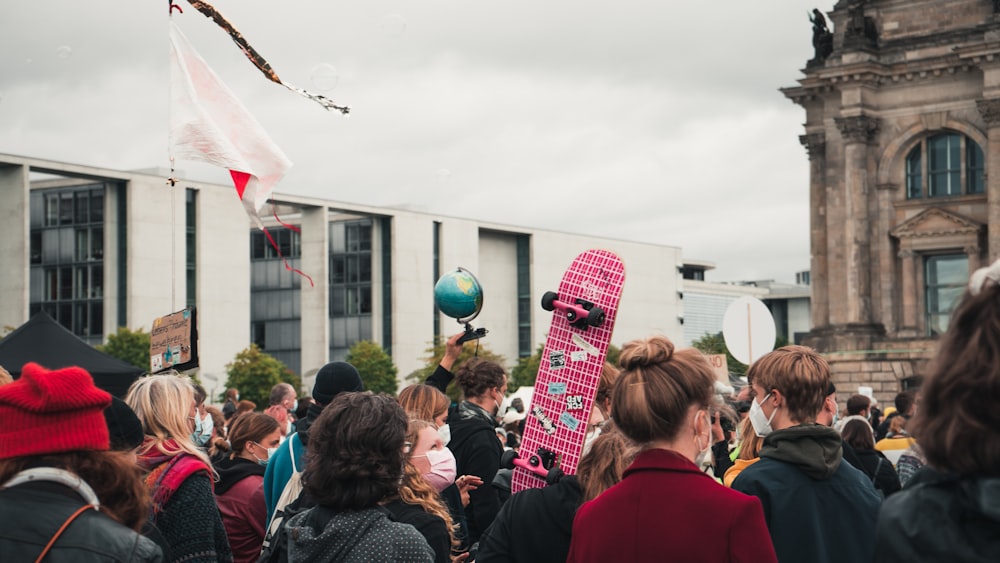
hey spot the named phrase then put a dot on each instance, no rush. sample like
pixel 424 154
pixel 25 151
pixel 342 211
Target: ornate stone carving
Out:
pixel 990 110
pixel 822 39
pixel 815 144
pixel 857 129
pixel 861 31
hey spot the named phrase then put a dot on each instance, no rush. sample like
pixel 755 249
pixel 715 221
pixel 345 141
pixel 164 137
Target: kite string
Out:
pixel 284 260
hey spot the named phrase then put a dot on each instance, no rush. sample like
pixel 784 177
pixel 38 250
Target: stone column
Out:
pixel 815 144
pixel 990 110
pixel 315 301
pixel 857 132
pixel 909 295
pixel 14 244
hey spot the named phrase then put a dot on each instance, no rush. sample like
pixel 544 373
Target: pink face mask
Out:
pixel 443 470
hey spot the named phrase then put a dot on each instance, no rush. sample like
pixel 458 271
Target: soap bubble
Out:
pixel 324 77
pixel 444 174
pixel 64 52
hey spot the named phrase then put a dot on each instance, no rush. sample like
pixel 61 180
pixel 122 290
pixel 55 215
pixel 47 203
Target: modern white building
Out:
pixel 99 249
pixel 705 302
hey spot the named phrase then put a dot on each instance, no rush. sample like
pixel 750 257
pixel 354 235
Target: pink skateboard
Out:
pixel 584 311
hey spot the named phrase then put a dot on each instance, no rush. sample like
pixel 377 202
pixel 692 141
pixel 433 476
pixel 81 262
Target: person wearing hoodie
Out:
pixel 331 380
pixel 357 448
pixel 240 489
pixel 950 510
pixel 473 438
pixel 818 508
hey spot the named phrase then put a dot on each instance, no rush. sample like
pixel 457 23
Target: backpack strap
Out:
pixel 291 451
pixel 62 529
pixel 877 467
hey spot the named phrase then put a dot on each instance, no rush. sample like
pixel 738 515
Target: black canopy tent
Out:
pixel 44 341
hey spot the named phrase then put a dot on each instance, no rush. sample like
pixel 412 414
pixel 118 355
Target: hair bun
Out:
pixel 643 353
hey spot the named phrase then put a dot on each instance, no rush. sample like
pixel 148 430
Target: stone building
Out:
pixel 902 104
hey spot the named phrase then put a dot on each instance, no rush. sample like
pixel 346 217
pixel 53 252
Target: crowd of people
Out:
pixel 671 469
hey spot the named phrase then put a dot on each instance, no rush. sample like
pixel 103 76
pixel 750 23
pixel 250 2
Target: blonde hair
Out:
pixel 414 489
pixel 656 388
pixel 163 404
pixel 750 442
pixel 602 467
pixel 5 377
pixel 424 402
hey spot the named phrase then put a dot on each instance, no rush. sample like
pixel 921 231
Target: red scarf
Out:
pixel 168 472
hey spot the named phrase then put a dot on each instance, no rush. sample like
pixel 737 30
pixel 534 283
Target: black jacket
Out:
pixel 940 517
pixel 817 508
pixel 886 480
pixel 533 525
pixel 434 529
pixel 477 452
pixel 30 515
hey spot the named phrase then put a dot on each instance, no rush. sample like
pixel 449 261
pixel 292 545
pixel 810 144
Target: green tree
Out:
pixel 255 372
pixel 436 352
pixel 375 366
pixel 526 370
pixel 131 346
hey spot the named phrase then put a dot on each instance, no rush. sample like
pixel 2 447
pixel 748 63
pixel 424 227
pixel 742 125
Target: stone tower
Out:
pixel 902 103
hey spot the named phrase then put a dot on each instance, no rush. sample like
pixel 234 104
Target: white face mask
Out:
pixel 588 440
pixel 761 425
pixel 270 454
pixel 444 431
pixel 502 406
pixel 202 429
pixel 705 453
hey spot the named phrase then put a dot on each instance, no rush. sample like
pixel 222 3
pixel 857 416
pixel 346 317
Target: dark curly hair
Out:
pixel 477 375
pixel 355 457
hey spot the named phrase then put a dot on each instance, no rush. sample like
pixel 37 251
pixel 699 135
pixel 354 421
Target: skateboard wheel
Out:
pixel 595 317
pixel 554 475
pixel 549 300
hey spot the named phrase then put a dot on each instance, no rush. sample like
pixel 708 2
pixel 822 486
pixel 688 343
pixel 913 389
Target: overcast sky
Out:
pixel 647 120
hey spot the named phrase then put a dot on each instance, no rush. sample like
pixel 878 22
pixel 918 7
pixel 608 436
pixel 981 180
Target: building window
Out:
pixel 945 278
pixel 275 299
pixel 67 258
pixel 936 167
pixel 524 296
pixel 191 248
pixel 350 285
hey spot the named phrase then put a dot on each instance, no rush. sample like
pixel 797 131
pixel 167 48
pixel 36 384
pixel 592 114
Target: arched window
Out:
pixel 946 172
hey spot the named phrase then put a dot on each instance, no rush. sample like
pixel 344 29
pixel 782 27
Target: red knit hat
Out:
pixel 46 412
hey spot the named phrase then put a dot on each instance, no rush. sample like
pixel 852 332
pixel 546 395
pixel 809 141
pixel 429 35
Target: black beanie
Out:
pixel 124 427
pixel 335 378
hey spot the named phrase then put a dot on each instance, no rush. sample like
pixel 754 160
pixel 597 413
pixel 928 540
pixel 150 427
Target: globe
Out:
pixel 459 295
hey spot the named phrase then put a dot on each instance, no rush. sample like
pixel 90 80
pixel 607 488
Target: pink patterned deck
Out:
pixel 571 366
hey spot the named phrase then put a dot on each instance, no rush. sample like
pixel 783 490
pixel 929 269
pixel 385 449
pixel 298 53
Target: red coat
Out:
pixel 666 509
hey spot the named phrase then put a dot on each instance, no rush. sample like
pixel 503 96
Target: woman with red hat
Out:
pixel 63 495
pixel 180 478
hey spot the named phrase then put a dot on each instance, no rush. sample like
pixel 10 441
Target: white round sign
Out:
pixel 748 329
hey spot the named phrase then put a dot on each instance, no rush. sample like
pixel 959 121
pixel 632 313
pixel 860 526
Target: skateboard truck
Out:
pixel 472 333
pixel 542 463
pixel 580 314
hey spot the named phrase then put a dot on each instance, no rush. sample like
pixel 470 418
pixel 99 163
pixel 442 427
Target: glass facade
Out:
pixel 275 303
pixel 67 258
pixel 190 246
pixel 350 285
pixel 524 296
